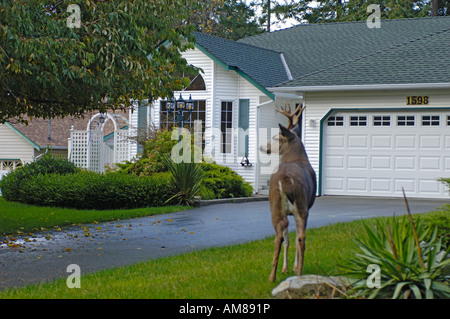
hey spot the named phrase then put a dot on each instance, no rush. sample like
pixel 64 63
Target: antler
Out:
pixel 292 117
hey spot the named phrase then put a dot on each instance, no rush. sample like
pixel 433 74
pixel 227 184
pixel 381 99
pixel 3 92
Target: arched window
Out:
pixel 197 83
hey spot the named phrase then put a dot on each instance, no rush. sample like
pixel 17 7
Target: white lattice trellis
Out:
pixel 87 149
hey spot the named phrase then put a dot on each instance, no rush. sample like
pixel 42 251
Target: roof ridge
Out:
pixel 369 54
pixel 238 43
pixel 342 22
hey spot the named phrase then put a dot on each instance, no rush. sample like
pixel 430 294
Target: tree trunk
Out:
pixel 434 7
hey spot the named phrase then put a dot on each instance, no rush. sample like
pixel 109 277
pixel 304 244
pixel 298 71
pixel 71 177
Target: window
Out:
pixel 9 165
pixel 197 84
pixel 358 120
pixel 405 120
pixel 384 120
pixel 226 126
pixel 199 113
pixel 335 121
pixel 430 120
pixel 448 120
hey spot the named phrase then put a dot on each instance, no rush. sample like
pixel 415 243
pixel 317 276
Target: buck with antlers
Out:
pixel 292 189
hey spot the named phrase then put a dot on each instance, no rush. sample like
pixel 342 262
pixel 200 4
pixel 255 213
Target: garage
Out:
pixel 377 153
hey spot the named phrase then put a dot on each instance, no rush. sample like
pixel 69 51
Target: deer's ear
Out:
pixel 286 133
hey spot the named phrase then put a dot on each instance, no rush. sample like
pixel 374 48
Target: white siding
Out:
pixel 13 146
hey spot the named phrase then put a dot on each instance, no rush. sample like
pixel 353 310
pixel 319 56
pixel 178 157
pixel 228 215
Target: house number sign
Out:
pixel 417 100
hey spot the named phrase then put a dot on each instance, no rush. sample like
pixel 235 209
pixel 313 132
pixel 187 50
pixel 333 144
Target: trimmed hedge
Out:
pixel 89 190
pixel 11 184
pixel 222 182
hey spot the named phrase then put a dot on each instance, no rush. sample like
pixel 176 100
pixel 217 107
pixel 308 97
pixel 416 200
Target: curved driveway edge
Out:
pixel 118 243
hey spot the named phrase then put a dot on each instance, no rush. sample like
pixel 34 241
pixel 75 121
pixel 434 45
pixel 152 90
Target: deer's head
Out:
pixel 288 139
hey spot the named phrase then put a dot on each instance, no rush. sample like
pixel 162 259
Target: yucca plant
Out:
pixel 409 256
pixel 186 181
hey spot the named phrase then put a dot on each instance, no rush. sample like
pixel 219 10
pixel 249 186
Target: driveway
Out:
pixel 119 243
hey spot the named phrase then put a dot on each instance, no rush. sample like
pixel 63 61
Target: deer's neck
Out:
pixel 296 153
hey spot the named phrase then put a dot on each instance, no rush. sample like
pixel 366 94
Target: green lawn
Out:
pixel 21 218
pixel 238 271
pixel 231 272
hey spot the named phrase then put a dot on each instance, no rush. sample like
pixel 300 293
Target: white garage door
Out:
pixel 378 153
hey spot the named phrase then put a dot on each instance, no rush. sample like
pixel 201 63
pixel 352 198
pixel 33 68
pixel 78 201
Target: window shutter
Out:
pixel 243 124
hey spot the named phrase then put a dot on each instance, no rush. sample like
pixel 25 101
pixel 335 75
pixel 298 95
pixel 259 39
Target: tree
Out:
pixel 230 19
pixel 50 68
pixel 356 10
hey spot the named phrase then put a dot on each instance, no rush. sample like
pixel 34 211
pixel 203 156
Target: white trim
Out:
pixel 361 87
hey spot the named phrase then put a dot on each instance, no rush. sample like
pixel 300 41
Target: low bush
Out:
pixel 186 181
pixel 11 185
pixel 89 190
pixel 405 269
pixel 222 182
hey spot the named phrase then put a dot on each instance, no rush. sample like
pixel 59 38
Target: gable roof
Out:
pixel 423 60
pixel 37 131
pixel 263 67
pixel 318 47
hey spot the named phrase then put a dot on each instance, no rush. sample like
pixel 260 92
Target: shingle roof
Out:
pixel 312 48
pixel 422 60
pixel 265 66
pixel 37 129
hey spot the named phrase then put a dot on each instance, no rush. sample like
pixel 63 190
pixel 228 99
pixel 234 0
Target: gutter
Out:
pixel 330 88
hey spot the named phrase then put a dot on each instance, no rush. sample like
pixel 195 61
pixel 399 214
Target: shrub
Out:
pixel 406 270
pixel 151 160
pixel 11 185
pixel 89 190
pixel 186 181
pixel 222 182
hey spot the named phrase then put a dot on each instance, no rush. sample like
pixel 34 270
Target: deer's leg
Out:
pixel 300 221
pixel 286 246
pixel 277 248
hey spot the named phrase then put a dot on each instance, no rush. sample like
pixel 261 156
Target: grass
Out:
pixel 22 218
pixel 231 272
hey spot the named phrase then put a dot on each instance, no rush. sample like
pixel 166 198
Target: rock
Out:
pixel 299 287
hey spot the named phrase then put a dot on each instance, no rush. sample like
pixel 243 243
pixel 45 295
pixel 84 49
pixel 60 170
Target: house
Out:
pixel 21 144
pixel 377 100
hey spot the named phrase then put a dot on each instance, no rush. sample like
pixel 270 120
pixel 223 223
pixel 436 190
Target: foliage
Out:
pixel 151 160
pixel 48 69
pixel 11 185
pixel 186 181
pixel 441 220
pixel 222 182
pixel 446 181
pixel 355 10
pixel 407 271
pixel 219 181
pixel 229 19
pixel 89 190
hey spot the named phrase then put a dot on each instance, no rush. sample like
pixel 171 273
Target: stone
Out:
pixel 302 287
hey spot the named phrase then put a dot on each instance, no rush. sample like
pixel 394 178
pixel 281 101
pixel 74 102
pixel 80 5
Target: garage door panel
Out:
pixel 405 163
pixel 357 162
pixel 357 184
pixel 429 186
pixel 381 142
pixel 430 163
pixel 335 141
pixel 357 141
pixel 381 162
pixel 380 185
pixel 432 142
pixel 405 142
pixel 386 154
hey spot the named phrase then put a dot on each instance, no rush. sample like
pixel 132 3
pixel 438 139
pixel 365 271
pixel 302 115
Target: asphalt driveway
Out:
pixel 118 243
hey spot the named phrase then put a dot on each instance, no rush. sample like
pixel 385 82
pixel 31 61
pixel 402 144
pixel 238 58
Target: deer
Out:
pixel 292 189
